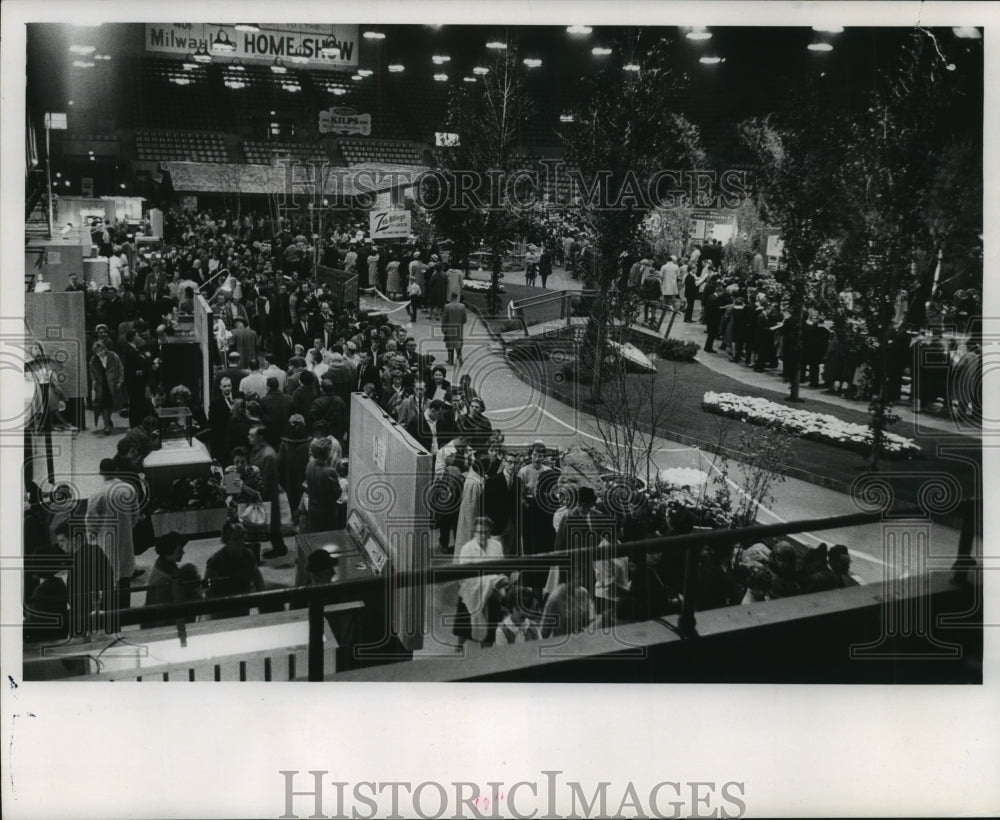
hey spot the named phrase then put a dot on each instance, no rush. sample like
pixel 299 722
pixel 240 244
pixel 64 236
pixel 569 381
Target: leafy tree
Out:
pixel 487 116
pixel 621 136
pixel 867 193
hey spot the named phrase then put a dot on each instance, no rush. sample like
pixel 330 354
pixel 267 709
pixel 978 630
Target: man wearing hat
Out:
pixel 233 372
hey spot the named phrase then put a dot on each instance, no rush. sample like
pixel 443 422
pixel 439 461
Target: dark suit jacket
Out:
pixel 366 375
pixel 282 350
pixel 421 432
pixel 500 501
pixel 277 407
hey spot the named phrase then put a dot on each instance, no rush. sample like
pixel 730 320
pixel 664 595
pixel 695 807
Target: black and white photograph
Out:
pixel 588 401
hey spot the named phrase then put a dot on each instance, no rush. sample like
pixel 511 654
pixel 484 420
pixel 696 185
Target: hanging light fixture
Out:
pixel 468 79
pixel 698 33
pixel 567 118
pixel 440 59
pixel 441 78
pixel 600 51
pixel 579 29
pixel 251 28
pixel 202 55
pixel 396 68
pixel 330 49
pixel 532 62
pixel 482 71
pixel 278 66
pixel 84 50
pixel 365 72
pixel 631 67
pixel 237 65
pixel 820 45
pixel 189 64
pixel 496 45
pixel 374 35
pixel 829 29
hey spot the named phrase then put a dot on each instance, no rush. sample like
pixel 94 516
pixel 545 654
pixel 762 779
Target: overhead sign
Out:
pixel 285 40
pixel 389 224
pixel 341 120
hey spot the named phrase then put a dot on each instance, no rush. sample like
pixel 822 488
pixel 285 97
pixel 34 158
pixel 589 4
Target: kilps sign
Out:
pixel 344 121
pixel 389 224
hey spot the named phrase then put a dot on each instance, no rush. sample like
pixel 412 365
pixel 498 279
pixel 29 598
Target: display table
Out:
pixel 175 459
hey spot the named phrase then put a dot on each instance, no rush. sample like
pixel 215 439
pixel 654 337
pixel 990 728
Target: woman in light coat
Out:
pixel 472 498
pixel 107 377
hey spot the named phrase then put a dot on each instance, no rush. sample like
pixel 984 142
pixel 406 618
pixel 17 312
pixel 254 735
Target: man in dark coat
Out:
pixel 277 408
pixel 136 380
pixel 431 429
pixel 502 503
pixel 220 410
pixel 330 408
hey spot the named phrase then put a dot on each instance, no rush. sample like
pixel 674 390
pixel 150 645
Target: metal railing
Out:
pixel 318 597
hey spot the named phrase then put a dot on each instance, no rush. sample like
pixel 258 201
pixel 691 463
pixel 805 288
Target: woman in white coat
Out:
pixel 478 610
pixel 472 498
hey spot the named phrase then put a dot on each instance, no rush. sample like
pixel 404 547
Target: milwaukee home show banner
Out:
pixel 284 40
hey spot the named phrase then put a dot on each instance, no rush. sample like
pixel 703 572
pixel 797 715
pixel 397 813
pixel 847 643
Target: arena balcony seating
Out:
pixel 180 146
pixel 363 151
pixel 264 152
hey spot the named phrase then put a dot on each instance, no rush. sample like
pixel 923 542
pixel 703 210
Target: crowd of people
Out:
pixel 288 354
pixel 747 316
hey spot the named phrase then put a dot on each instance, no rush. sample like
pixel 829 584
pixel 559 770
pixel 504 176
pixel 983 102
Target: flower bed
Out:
pixel 815 426
pixel 477 286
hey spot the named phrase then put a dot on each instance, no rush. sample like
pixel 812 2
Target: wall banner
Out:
pixel 283 40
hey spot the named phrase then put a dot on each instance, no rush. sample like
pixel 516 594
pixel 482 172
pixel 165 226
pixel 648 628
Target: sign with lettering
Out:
pixel 389 224
pixel 342 120
pixel 330 47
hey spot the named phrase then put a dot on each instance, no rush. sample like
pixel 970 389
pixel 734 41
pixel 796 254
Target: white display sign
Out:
pixel 389 224
pixel 285 40
pixel 344 121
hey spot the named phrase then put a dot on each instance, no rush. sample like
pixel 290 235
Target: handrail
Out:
pixel 316 597
pixel 551 296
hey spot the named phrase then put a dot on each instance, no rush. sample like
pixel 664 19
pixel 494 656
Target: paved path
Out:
pixel 525 414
